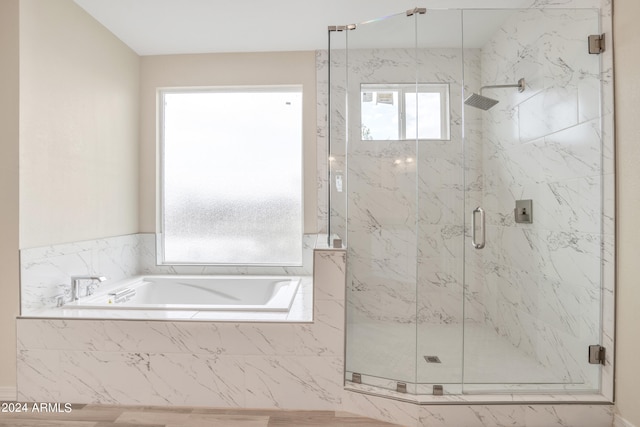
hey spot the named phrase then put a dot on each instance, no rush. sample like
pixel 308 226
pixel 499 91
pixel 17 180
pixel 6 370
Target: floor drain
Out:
pixel 432 359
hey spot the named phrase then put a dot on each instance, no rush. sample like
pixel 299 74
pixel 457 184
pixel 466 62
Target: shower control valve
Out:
pixel 524 211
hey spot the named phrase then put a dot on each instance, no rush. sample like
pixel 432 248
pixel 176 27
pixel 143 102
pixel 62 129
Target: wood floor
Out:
pixel 133 416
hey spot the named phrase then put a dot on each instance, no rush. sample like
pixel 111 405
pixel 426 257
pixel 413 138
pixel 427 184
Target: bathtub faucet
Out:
pixel 75 284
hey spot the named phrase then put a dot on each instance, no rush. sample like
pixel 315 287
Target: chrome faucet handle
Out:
pixel 60 300
pixel 75 285
pixel 92 288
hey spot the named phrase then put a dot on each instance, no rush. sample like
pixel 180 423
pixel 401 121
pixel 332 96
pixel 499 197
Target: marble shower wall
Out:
pixel 541 284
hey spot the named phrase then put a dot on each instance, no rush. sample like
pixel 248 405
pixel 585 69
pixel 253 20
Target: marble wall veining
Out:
pixel 45 272
pixel 541 282
pixel 477 415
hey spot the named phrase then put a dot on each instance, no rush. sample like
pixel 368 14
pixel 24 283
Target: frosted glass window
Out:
pixel 401 111
pixel 231 179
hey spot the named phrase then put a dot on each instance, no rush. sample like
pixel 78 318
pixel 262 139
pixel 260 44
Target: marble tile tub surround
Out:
pixel 214 364
pixel 45 272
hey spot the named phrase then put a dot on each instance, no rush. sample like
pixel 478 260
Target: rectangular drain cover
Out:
pixel 432 359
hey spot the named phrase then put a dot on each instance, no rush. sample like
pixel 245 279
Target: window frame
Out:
pixel 412 88
pixel 160 167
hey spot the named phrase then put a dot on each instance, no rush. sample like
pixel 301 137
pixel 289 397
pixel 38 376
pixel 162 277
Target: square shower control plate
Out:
pixel 524 211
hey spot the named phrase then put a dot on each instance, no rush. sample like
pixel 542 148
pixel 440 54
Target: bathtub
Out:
pixel 195 293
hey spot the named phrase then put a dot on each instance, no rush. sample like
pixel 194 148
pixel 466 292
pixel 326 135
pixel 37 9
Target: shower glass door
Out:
pixel 533 165
pixel 440 202
pixel 446 290
pixel 381 203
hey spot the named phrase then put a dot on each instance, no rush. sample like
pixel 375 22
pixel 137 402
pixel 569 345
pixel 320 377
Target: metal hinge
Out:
pixel 401 387
pixel 597 354
pixel 342 27
pixel 418 10
pixel 356 378
pixel 596 43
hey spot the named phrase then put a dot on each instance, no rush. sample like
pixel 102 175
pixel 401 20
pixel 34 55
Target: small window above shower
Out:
pixel 404 111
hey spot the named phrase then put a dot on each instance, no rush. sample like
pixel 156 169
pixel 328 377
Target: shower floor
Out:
pixel 389 351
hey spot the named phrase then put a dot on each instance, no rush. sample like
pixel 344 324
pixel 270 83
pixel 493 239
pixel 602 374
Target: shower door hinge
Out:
pixel 597 354
pixel 418 10
pixel 342 27
pixel 596 43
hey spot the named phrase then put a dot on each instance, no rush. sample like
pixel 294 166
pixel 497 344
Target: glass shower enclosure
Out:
pixel 465 179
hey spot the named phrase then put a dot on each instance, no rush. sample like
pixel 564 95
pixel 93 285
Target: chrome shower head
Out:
pixel 479 101
pixel 484 103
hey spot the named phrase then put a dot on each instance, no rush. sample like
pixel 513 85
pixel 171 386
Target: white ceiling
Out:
pixel 156 27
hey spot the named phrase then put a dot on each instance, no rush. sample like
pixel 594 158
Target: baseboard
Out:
pixel 618 421
pixel 8 394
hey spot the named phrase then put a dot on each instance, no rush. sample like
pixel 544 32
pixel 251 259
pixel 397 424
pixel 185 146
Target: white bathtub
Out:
pixel 197 293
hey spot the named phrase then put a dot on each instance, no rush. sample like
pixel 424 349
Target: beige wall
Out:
pixel 9 303
pixel 627 78
pixel 237 69
pixel 78 127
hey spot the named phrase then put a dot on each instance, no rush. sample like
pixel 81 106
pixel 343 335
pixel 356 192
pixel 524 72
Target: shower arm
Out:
pixel 519 85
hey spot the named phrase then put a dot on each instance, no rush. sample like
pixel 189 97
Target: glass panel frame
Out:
pixel 381 207
pixel 563 311
pixel 440 222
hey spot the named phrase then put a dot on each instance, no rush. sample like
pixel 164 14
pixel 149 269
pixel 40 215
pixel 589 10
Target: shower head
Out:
pixel 479 101
pixel 483 102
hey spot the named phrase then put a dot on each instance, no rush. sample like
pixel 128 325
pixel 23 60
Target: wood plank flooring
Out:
pixel 151 416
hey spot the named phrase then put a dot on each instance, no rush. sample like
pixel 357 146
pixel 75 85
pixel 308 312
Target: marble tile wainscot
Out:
pixel 196 363
pixel 45 272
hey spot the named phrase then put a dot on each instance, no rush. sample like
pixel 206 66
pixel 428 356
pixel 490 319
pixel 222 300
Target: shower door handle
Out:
pixel 474 241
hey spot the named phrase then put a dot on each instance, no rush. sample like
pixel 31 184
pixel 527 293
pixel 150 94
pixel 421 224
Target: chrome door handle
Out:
pixel 474 242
